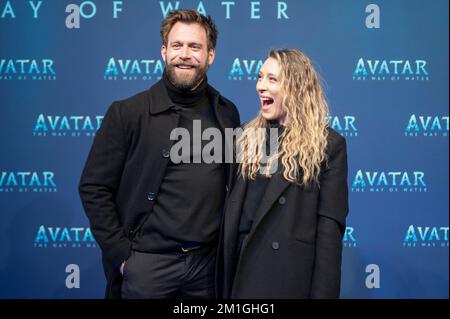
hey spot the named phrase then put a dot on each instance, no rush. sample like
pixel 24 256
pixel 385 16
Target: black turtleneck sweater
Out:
pixel 190 199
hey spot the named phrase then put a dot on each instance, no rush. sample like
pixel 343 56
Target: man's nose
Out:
pixel 185 53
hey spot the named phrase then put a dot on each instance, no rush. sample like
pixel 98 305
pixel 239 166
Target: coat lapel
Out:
pixel 223 114
pixel 275 188
pixel 225 118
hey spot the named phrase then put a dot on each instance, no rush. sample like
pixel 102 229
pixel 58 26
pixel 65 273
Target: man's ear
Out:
pixel 163 53
pixel 211 56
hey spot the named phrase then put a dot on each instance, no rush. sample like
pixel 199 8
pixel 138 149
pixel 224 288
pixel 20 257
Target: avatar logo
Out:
pixel 66 125
pixel 64 237
pixel 25 69
pixel 349 239
pixel 427 126
pixel 391 70
pixel 133 69
pixel 28 181
pixel 243 69
pixel 344 125
pixel 426 236
pixel 390 181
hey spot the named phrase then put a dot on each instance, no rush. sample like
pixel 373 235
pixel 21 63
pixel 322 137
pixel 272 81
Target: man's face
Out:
pixel 186 56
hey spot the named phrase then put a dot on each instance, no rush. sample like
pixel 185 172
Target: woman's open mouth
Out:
pixel 266 103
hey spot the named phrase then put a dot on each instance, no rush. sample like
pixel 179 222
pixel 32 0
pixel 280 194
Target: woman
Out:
pixel 282 230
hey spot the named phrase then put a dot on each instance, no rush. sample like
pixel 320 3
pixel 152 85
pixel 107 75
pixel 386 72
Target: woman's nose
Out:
pixel 260 86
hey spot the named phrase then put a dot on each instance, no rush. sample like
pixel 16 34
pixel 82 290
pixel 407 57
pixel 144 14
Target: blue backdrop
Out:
pixel 385 70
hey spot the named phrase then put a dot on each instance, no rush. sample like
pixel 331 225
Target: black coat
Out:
pixel 295 245
pixel 126 165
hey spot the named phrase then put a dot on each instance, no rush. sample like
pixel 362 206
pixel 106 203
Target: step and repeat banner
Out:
pixel 384 66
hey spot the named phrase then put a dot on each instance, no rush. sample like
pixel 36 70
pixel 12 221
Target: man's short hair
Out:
pixel 189 16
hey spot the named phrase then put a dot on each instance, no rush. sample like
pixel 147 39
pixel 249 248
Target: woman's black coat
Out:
pixel 295 245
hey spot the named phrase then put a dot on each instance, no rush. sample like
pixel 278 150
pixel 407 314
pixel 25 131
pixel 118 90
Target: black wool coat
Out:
pixel 295 245
pixel 126 165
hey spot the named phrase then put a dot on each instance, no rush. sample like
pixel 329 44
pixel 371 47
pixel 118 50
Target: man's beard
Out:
pixel 189 80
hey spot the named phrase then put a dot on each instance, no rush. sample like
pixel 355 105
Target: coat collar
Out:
pixel 158 98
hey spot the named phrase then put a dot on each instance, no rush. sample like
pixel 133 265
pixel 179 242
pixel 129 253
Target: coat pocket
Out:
pixel 305 242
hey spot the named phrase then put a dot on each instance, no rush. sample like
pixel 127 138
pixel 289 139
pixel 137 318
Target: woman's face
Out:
pixel 270 92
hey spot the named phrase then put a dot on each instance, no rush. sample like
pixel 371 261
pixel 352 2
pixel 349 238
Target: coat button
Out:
pixel 165 153
pixel 282 200
pixel 151 196
pixel 275 245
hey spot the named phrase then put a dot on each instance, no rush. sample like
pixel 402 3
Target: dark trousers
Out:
pixel 187 275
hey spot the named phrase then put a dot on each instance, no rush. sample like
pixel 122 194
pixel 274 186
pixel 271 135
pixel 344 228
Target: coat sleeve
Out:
pixel 332 212
pixel 99 183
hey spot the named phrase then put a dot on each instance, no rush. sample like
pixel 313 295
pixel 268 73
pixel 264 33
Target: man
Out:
pixel 155 219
